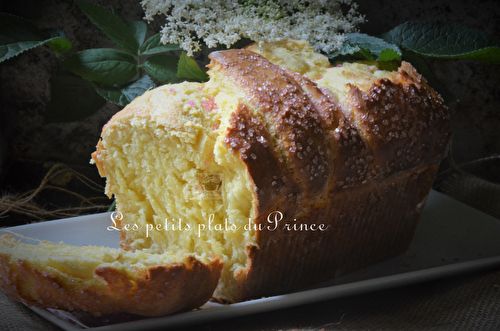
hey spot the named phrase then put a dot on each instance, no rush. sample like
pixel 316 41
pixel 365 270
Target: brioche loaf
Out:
pixel 289 172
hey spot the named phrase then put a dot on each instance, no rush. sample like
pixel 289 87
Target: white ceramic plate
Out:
pixel 451 238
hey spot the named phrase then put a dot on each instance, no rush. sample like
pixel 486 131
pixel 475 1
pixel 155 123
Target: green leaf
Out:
pixel 163 68
pixel 138 29
pixel 389 55
pixel 368 47
pixel 445 40
pixel 14 29
pixel 18 35
pixel 154 46
pixel 112 26
pixel 102 65
pixel 72 99
pixel 123 94
pixel 346 50
pixel 60 45
pixel 365 53
pixel 189 69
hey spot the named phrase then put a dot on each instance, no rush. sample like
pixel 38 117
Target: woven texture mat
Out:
pixel 466 302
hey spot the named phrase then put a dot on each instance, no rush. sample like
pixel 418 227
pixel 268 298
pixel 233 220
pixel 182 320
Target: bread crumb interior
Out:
pixel 176 185
pixel 80 263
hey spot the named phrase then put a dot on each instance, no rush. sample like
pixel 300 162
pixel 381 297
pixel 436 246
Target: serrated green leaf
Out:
pixel 14 49
pixel 139 30
pixel 163 68
pixel 123 94
pixel 368 47
pixel 189 69
pixel 60 45
pixel 72 99
pixel 154 46
pixel 388 55
pixel 102 65
pixel 346 49
pixel 366 54
pixel 445 40
pixel 112 26
pixel 18 35
pixel 14 29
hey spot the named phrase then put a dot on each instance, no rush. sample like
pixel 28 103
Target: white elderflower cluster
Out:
pixel 215 22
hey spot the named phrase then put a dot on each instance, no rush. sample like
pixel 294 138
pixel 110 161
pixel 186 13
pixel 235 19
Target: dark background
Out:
pixel 28 148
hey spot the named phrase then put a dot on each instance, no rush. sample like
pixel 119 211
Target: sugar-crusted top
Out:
pixel 355 122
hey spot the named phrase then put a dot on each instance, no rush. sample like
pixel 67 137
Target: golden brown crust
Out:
pixel 272 180
pixel 365 225
pixel 153 291
pixel 351 157
pixel 404 123
pixel 287 112
pixel 381 150
pixel 398 125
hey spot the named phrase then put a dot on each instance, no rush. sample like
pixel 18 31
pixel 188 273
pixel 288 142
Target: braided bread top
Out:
pixel 291 128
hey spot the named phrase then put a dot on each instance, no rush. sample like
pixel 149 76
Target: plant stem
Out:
pixel 113 206
pixel 51 51
pixel 139 66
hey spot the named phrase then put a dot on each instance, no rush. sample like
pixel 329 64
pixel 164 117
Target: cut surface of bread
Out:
pixel 288 170
pixel 185 192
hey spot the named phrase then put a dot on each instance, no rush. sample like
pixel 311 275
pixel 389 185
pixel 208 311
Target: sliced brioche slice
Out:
pixel 104 280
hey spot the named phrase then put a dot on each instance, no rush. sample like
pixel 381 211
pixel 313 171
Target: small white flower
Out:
pixel 215 22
